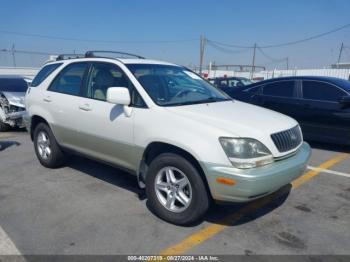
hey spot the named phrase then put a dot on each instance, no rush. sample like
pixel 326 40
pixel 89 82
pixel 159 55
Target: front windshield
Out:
pixel 174 85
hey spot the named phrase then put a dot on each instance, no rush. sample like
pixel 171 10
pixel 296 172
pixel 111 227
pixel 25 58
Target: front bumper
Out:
pixel 14 119
pixel 256 182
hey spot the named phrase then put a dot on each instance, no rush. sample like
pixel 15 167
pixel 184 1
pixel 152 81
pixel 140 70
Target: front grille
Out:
pixel 288 139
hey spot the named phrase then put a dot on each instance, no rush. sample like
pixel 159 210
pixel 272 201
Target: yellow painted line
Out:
pixel 209 231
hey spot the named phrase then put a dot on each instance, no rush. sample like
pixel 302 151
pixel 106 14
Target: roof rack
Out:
pixel 123 54
pixel 69 56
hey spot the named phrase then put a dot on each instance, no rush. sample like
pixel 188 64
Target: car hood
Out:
pixel 238 119
pixel 15 98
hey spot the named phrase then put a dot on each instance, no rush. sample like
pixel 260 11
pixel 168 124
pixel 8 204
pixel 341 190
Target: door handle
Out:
pixel 85 107
pixel 47 99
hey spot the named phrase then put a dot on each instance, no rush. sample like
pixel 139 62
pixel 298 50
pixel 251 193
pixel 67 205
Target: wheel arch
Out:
pixel 35 120
pixel 154 149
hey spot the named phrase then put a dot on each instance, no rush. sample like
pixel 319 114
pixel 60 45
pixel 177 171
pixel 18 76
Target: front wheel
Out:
pixel 176 192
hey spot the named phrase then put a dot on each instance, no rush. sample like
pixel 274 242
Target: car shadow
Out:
pixel 330 147
pixel 6 144
pixel 231 214
pixel 227 214
pixel 106 173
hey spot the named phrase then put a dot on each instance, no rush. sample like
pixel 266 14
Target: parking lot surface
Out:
pixel 91 208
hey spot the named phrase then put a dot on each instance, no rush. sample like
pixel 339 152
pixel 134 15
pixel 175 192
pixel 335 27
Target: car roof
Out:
pixel 345 84
pixel 320 78
pixel 145 61
pixel 107 59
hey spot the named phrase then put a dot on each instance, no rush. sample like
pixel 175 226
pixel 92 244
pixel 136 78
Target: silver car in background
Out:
pixel 12 107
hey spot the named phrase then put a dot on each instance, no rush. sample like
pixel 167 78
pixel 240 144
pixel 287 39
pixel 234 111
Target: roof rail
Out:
pixel 93 54
pixel 69 56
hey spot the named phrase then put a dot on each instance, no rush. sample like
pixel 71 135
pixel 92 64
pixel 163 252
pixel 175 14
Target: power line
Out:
pixel 4 50
pixel 97 40
pixel 225 50
pixel 286 43
pixel 229 45
pixel 274 60
pixel 271 58
pixel 308 38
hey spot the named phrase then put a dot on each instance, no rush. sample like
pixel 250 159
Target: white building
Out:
pixel 26 72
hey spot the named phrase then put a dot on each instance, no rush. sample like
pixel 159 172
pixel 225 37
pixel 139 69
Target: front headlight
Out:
pixel 246 152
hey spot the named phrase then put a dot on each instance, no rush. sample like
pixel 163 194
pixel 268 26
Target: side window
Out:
pixel 233 83
pixel 105 75
pixel 282 88
pixel 321 91
pixel 44 73
pixel 223 83
pixel 69 79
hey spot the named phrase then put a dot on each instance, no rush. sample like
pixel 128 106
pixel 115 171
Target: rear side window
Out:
pixel 13 85
pixel 44 73
pixel 69 79
pixel 321 91
pixel 283 89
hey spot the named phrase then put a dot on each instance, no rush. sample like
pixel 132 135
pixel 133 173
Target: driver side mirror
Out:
pixel 118 95
pixel 344 101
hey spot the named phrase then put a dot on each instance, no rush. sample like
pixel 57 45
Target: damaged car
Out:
pixel 12 107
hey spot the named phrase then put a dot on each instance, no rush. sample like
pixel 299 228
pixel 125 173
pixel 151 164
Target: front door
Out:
pixel 106 133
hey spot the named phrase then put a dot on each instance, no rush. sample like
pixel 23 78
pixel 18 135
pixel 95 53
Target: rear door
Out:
pixel 61 101
pixel 279 96
pixel 324 119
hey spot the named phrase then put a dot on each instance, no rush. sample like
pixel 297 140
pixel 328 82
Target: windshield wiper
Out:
pixel 204 101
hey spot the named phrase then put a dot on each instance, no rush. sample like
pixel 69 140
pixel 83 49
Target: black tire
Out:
pixel 200 200
pixel 56 157
pixel 4 127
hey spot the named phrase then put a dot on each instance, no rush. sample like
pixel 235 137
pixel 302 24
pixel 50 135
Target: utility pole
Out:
pixel 201 53
pixel 340 52
pixel 253 63
pixel 287 60
pixel 13 55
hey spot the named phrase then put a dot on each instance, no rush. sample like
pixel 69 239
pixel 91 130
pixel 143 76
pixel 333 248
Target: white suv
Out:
pixel 186 141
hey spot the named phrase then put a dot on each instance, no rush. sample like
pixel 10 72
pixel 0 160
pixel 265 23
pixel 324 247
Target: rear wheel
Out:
pixel 46 147
pixel 175 190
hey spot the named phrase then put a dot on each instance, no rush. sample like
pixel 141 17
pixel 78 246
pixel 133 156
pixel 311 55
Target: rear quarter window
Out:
pixel 321 91
pixel 44 73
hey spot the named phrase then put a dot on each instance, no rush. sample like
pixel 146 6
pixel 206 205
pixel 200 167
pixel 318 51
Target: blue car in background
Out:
pixel 320 104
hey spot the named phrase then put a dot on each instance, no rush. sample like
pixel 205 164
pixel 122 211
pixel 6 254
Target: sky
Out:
pixel 170 30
